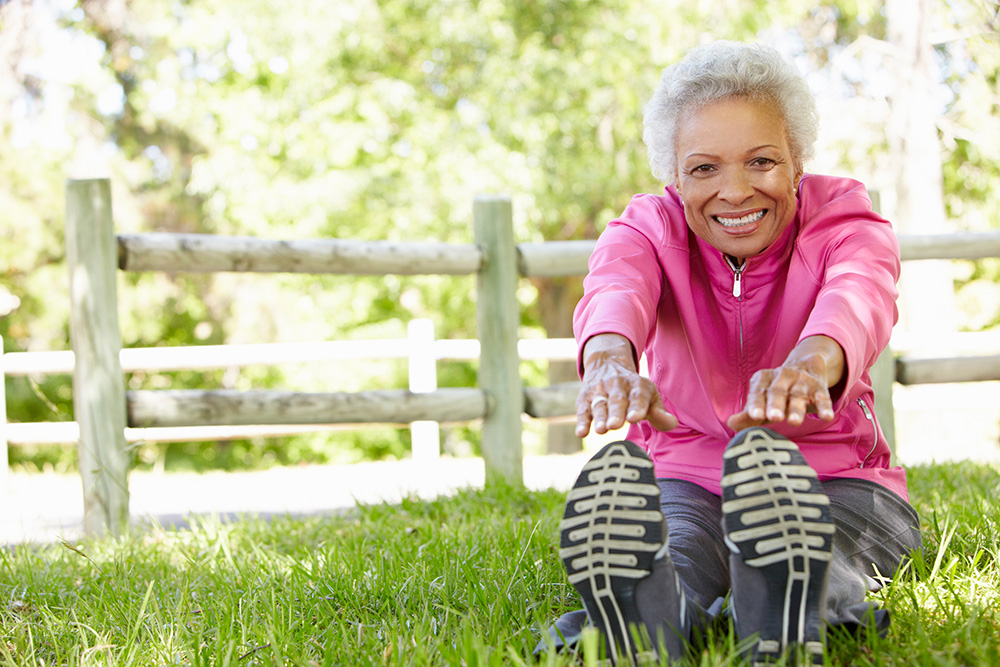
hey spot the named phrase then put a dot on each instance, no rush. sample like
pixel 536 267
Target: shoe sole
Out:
pixel 611 532
pixel 777 518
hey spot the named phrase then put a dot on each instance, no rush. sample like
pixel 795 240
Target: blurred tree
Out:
pixel 31 258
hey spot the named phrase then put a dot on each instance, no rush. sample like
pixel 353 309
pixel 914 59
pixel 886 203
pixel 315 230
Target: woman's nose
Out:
pixel 736 188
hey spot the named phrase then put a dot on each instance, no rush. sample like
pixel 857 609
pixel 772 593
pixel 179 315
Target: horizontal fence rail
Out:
pixel 208 357
pixel 171 407
pixel 163 408
pixel 554 258
pixel 963 245
pixel 68 433
pixel 950 369
pixel 205 253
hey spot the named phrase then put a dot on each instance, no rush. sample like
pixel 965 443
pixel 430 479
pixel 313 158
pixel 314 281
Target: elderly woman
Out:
pixel 760 295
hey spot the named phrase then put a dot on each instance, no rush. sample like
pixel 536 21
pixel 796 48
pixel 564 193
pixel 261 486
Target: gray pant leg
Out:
pixel 876 531
pixel 694 527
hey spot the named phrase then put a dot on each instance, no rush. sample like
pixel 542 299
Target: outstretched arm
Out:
pixel 800 385
pixel 613 392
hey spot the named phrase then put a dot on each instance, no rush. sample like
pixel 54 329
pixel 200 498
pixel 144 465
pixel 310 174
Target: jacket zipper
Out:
pixel 870 418
pixel 737 276
pixel 738 290
pixel 738 294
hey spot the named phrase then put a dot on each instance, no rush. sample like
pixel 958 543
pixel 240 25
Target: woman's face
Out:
pixel 736 175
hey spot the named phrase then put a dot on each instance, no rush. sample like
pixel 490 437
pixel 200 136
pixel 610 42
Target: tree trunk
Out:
pixel 557 297
pixel 927 294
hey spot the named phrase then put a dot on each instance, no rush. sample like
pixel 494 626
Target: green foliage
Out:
pixel 245 118
pixel 971 137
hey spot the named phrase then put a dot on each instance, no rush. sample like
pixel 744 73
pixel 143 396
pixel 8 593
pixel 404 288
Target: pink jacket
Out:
pixel 705 330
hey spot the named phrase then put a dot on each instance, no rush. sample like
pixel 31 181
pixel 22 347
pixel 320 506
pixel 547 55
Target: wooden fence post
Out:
pixel 498 318
pixel 883 375
pixel 98 382
pixel 425 436
pixel 883 372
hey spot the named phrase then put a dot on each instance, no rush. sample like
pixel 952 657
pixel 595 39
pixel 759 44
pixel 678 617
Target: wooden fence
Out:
pixel 104 410
pixel 420 349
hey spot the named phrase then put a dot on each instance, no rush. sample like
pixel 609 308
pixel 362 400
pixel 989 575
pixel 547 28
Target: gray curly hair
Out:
pixel 724 70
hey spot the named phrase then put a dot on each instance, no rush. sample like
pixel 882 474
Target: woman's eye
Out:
pixel 702 168
pixel 762 162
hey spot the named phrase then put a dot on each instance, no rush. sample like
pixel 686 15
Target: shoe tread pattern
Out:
pixel 611 532
pixel 778 518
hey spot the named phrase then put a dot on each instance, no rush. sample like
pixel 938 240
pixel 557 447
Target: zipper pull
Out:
pixel 737 276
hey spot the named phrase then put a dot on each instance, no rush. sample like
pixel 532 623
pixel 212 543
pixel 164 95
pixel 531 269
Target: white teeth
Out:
pixel 736 222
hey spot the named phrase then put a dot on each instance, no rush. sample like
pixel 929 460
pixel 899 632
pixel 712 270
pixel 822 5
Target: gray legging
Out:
pixel 876 530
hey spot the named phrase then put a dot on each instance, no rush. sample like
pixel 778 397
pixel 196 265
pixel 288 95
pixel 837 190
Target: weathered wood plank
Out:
pixel 951 369
pixel 961 245
pixel 190 407
pixel 554 258
pixel 203 253
pixel 498 317
pixel 209 253
pixel 557 400
pixel 67 433
pixel 98 382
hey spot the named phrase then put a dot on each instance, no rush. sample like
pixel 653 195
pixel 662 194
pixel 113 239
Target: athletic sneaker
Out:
pixel 777 524
pixel 614 546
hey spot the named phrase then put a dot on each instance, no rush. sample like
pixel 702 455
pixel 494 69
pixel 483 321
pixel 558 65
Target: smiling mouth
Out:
pixel 739 222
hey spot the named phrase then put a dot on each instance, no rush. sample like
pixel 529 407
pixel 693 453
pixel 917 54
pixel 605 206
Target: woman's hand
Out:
pixel 614 392
pixel 799 386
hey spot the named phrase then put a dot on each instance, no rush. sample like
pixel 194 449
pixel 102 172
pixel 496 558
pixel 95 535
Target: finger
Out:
pixel 617 408
pixel 824 404
pixel 800 397
pixel 798 405
pixel 756 403
pixel 660 419
pixel 742 420
pixel 599 414
pixel 778 394
pixel 777 404
pixel 645 403
pixel 639 404
pixel 755 408
pixel 584 416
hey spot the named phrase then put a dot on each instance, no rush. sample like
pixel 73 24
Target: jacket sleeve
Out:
pixel 622 288
pixel 856 305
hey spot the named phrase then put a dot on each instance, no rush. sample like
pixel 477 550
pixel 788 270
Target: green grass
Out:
pixel 468 580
